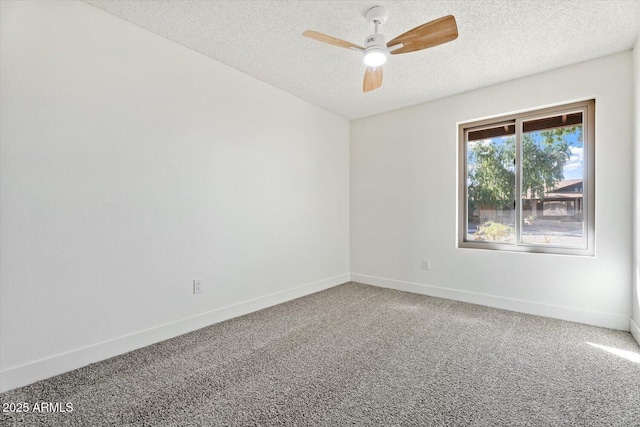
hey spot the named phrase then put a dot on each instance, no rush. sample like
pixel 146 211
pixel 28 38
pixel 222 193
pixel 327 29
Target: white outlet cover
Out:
pixel 197 286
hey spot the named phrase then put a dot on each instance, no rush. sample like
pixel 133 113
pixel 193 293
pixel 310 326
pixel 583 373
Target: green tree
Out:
pixel 491 173
pixel 545 154
pixel 491 166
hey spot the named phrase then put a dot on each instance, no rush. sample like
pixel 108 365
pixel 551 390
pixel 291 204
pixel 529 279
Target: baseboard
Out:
pixel 606 320
pixel 28 373
pixel 635 330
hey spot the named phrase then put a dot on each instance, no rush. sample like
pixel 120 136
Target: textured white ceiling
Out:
pixel 499 40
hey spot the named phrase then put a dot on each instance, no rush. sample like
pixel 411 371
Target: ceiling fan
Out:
pixel 376 51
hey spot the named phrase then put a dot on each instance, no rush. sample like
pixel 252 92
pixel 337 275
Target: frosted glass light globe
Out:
pixel 374 58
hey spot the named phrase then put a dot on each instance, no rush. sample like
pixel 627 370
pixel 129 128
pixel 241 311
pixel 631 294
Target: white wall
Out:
pixel 404 197
pixel 634 325
pixel 130 166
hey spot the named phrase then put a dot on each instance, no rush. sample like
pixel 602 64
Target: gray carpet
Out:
pixel 358 355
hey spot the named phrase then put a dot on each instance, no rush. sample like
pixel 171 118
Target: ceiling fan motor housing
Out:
pixel 375 40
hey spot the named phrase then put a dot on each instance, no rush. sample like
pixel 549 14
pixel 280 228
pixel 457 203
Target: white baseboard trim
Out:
pixel 28 373
pixel 606 320
pixel 635 330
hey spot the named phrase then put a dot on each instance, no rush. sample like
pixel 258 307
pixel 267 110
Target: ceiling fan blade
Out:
pixel 372 79
pixel 427 35
pixel 331 40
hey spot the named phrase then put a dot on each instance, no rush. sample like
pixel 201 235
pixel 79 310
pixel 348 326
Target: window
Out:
pixel 527 181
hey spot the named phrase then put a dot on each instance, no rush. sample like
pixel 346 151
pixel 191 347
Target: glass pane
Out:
pixel 491 185
pixel 552 177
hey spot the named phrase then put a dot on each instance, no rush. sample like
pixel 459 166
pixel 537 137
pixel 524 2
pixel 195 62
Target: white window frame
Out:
pixel 588 193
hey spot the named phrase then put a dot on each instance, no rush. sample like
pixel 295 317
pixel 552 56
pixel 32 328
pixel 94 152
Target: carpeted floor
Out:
pixel 359 355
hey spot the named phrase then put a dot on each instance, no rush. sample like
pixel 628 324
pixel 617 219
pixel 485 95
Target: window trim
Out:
pixel 588 192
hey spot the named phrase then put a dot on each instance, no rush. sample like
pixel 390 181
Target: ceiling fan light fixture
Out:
pixel 375 57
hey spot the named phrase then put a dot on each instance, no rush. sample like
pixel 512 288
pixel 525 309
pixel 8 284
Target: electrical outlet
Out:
pixel 426 264
pixel 197 286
